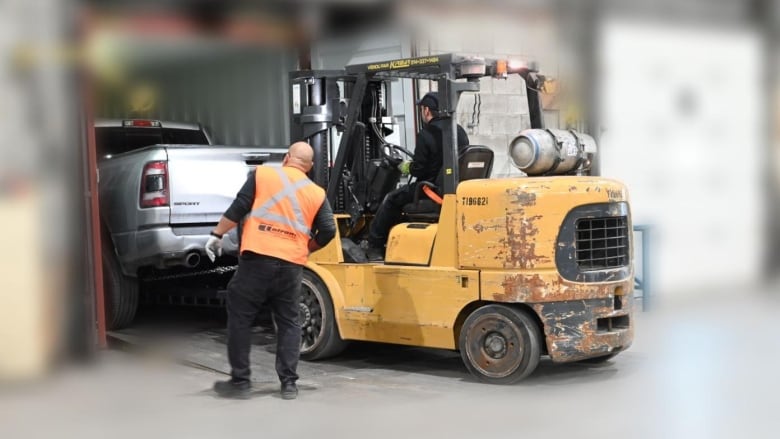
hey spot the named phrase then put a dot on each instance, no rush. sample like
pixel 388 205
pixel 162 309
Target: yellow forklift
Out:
pixel 502 270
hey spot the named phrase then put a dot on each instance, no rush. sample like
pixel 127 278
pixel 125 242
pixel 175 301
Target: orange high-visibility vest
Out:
pixel 285 205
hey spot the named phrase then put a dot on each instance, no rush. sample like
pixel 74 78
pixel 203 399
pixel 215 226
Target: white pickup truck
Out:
pixel 162 187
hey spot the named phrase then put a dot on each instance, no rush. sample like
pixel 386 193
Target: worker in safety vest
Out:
pixel 288 217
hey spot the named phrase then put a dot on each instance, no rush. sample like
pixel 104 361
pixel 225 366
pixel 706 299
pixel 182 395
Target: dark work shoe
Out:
pixel 238 389
pixel 289 391
pixel 374 254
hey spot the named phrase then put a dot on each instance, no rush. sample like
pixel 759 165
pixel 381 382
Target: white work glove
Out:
pixel 213 247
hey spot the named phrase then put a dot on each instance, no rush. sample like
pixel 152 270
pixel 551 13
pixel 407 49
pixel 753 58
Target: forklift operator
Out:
pixel 425 166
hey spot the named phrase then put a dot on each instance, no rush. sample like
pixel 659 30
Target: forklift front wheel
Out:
pixel 319 333
pixel 500 344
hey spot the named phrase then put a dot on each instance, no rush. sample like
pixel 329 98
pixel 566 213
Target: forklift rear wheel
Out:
pixel 500 344
pixel 319 334
pixel 120 292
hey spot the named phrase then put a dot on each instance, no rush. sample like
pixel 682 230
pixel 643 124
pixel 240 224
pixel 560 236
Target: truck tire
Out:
pixel 120 293
pixel 320 337
pixel 500 344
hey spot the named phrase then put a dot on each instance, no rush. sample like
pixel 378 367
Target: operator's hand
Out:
pixel 213 247
pixel 404 167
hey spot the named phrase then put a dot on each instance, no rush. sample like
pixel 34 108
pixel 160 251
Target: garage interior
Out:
pixel 652 90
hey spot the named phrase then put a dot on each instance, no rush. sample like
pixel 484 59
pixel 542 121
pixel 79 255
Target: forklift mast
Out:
pixel 314 109
pixel 330 106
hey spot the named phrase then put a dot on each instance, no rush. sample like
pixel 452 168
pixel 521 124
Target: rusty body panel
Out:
pixel 572 330
pixel 516 222
pixel 547 286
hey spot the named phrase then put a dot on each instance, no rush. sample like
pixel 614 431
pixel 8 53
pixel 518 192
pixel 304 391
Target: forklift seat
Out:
pixel 474 161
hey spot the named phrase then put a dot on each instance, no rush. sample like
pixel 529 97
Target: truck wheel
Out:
pixel 499 344
pixel 319 334
pixel 120 292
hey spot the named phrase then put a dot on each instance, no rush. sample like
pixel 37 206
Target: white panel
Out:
pixel 296 109
pixel 681 109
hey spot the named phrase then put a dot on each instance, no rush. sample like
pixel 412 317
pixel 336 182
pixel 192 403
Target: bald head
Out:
pixel 300 156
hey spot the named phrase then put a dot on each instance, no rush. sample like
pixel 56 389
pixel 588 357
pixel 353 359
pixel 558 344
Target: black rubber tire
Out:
pixel 120 293
pixel 500 344
pixel 320 336
pixel 601 359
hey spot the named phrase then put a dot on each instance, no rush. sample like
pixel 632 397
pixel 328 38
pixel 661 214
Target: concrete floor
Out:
pixel 693 372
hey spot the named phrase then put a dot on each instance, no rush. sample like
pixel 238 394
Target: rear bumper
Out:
pixel 581 329
pixel 165 247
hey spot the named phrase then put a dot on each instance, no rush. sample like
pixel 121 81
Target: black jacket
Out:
pixel 428 155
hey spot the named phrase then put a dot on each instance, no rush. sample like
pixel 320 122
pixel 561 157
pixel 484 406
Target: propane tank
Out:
pixel 552 152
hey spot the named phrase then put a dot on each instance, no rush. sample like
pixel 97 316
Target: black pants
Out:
pixel 389 214
pixel 260 280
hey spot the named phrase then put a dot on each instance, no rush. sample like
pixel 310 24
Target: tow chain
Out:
pixel 215 270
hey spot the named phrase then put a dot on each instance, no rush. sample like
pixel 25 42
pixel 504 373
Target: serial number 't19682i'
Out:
pixel 474 201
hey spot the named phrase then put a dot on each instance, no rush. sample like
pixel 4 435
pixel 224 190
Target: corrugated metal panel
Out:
pixel 240 96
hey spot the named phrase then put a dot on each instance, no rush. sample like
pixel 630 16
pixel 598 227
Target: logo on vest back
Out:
pixel 271 229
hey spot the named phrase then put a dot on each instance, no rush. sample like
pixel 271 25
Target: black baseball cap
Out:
pixel 430 100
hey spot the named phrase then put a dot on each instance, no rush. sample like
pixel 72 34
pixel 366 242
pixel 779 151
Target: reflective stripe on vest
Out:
pixel 289 190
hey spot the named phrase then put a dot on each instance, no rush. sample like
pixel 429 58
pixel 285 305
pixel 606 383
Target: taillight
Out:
pixel 154 185
pixel 141 123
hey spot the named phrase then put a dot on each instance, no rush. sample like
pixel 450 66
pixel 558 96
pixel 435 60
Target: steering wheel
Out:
pixel 396 152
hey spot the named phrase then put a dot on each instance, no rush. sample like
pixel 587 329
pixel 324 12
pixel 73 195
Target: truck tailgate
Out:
pixel 203 181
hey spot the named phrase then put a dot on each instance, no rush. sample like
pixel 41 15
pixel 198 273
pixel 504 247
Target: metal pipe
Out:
pixel 318 140
pixel 192 259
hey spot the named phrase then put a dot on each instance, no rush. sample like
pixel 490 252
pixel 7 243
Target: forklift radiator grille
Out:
pixel 602 243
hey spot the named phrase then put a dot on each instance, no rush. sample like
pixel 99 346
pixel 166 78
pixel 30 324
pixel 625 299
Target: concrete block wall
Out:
pixel 504 107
